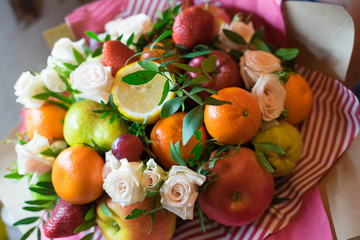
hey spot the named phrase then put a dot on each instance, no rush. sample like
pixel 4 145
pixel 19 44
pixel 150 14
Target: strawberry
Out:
pixel 115 54
pixel 64 219
pixel 193 26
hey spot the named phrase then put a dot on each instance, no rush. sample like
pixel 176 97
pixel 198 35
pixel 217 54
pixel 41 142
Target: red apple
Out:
pixel 242 191
pixel 226 74
pixel 117 227
pixel 220 16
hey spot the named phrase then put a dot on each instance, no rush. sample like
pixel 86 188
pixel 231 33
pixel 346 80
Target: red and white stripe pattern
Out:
pixel 327 132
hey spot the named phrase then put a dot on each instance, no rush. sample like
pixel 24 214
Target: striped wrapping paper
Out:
pixel 327 132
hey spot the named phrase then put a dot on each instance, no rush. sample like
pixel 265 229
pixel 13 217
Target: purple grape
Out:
pixel 127 146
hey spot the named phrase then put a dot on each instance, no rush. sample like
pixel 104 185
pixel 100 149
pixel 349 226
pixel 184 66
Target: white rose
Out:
pixel 124 184
pixel 241 28
pixel 152 176
pixel 62 51
pixel 180 190
pixel 93 80
pixel 270 94
pixel 29 158
pixel 52 80
pixel 138 24
pixel 255 63
pixel 27 86
pixel 111 164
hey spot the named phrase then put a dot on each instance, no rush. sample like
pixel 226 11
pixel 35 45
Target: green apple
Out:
pixel 82 125
pixel 289 139
pixel 115 226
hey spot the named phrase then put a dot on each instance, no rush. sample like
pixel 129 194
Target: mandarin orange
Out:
pixel 298 99
pixel 236 123
pixel 46 120
pixel 168 130
pixel 77 175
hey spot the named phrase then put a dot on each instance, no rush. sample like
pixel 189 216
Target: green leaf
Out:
pixel 38 202
pixel 168 53
pixel 42 96
pixel 149 66
pixel 259 34
pixel 215 102
pixel 287 53
pixel 171 106
pixel 97 52
pixel 201 217
pixel 234 37
pixel 187 67
pixel 272 147
pixel 46 185
pixel 164 35
pixel 88 236
pixel 70 66
pixel 135 213
pixel 107 37
pixel 105 209
pixel 151 59
pixel 38 234
pixel 130 39
pixel 165 92
pixel 200 79
pixel 78 57
pixel 260 156
pixel 26 221
pixel 63 106
pixel 14 175
pixel 42 191
pixel 277 200
pixel 197 53
pixel 198 135
pixel 27 234
pixel 139 77
pixel 209 64
pixel 119 37
pixel 176 10
pixel 90 214
pixel 33 209
pixel 176 154
pixel 86 225
pixel 198 89
pixel 260 45
pixel 51 152
pixel 193 120
pixel 236 54
pixel 93 36
pixel 152 194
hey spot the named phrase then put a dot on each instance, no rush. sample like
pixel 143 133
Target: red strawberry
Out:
pixel 193 26
pixel 64 219
pixel 115 54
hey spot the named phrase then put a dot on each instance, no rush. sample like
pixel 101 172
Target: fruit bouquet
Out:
pixel 191 116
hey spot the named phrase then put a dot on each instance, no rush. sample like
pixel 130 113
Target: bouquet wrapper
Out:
pixel 327 132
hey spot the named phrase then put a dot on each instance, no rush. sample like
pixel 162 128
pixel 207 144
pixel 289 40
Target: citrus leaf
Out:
pixel 139 77
pixel 209 64
pixel 171 106
pixel 234 37
pixel 176 154
pixel 192 122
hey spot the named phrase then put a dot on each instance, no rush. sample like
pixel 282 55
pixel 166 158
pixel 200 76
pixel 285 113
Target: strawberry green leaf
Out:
pixel 139 77
pixel 193 120
pixel 93 36
pixel 130 39
pixel 97 52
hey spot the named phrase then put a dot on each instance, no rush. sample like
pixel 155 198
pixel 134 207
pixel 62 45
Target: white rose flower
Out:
pixel 62 51
pixel 111 164
pixel 241 28
pixel 180 190
pixel 255 63
pixel 124 184
pixel 52 80
pixel 138 24
pixel 27 86
pixel 94 81
pixel 270 94
pixel 29 158
pixel 152 176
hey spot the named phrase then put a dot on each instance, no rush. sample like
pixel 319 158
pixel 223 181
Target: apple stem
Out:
pixel 236 196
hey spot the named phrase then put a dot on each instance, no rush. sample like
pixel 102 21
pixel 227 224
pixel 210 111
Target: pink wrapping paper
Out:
pixel 328 130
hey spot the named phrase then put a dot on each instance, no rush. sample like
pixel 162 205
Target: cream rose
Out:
pixel 27 86
pixel 180 190
pixel 255 63
pixel 152 176
pixel 241 28
pixel 29 158
pixel 52 80
pixel 111 164
pixel 138 24
pixel 124 184
pixel 93 80
pixel 270 94
pixel 62 51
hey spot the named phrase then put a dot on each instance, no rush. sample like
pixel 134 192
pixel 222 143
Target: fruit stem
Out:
pixel 236 196
pixel 150 153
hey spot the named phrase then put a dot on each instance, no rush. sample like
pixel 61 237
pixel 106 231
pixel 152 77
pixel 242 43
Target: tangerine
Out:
pixel 77 175
pixel 298 99
pixel 236 123
pixel 46 120
pixel 168 130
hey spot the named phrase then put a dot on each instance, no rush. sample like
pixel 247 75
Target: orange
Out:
pixel 236 123
pixel 168 130
pixel 46 120
pixel 77 175
pixel 298 99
